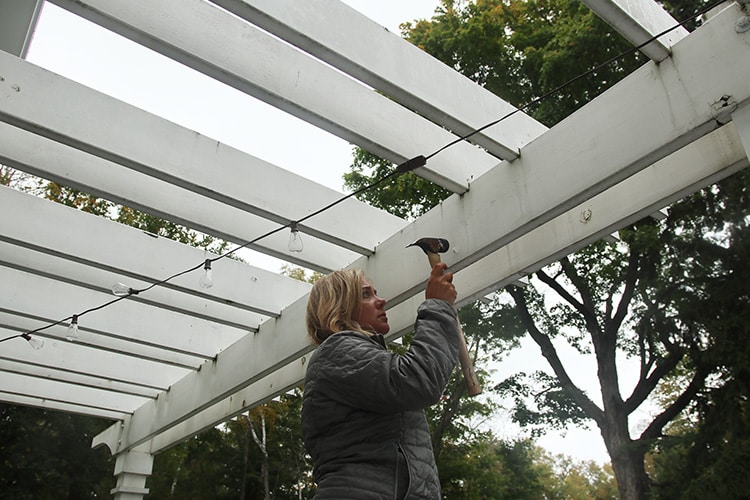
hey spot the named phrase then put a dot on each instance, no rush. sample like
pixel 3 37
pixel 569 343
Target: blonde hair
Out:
pixel 334 300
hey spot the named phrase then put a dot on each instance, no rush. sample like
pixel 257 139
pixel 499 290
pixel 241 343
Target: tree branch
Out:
pixel 646 385
pixel 550 354
pixel 654 430
pixel 588 308
pixel 631 278
pixel 560 290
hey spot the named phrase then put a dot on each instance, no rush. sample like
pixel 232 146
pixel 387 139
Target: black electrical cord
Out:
pixel 406 166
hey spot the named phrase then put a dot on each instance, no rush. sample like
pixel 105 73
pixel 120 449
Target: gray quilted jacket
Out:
pixel 363 410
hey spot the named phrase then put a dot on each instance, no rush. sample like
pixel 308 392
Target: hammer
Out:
pixel 433 247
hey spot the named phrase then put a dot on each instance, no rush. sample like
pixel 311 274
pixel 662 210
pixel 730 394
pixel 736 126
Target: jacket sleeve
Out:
pixel 358 372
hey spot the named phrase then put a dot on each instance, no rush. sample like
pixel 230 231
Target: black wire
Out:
pixel 406 166
pixel 575 79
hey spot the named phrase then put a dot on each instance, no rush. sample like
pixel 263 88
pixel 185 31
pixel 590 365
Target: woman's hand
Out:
pixel 440 285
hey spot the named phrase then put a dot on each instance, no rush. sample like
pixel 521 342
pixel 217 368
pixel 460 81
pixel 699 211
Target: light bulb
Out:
pixel 34 342
pixel 295 239
pixel 121 289
pixel 207 279
pixel 72 334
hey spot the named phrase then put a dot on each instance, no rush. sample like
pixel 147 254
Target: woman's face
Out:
pixel 371 315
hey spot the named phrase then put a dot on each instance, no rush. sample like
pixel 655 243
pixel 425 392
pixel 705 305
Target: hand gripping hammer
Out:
pixel 433 247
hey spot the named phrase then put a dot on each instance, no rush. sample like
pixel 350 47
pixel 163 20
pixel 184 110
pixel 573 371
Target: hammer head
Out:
pixel 431 245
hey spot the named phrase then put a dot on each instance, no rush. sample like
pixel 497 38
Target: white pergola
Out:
pixel 178 359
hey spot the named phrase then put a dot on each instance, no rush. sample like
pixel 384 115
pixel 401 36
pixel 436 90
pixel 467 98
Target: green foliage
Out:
pixel 491 469
pixel 704 456
pixel 584 480
pixel 16 179
pixel 210 465
pixel 406 195
pixel 77 199
pixel 199 468
pixel 521 50
pixel 47 455
pixel 299 273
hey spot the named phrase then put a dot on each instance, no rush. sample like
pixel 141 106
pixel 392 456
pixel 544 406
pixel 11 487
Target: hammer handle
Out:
pixel 467 366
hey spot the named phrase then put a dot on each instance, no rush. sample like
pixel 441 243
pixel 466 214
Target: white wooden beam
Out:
pixel 17 23
pixel 64 406
pixel 741 119
pixel 228 49
pixel 31 369
pixel 62 110
pixel 60 392
pixel 639 21
pixel 364 50
pixel 71 167
pixel 661 109
pixel 704 162
pixel 708 160
pixel 180 301
pixel 126 328
pixel 658 108
pixel 105 369
pixel 138 258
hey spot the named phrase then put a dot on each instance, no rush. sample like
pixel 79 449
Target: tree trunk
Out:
pixel 627 464
pixel 245 444
pixel 261 442
pixel 626 455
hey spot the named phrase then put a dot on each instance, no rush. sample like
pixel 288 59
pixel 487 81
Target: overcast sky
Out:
pixel 63 44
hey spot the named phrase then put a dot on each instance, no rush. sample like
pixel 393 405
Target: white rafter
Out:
pixel 171 362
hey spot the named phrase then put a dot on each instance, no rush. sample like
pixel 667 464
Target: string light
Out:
pixel 122 291
pixel 207 278
pixel 295 239
pixel 35 342
pixel 72 334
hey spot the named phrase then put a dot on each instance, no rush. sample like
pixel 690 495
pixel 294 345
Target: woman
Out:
pixel 363 408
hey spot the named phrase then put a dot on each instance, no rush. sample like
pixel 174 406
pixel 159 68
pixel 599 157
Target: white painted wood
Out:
pixel 741 119
pixel 17 23
pixel 106 245
pixel 69 393
pixel 215 42
pixel 621 157
pixel 704 162
pixel 62 110
pixel 24 400
pixel 106 367
pixel 639 21
pixel 711 158
pixel 278 382
pixel 366 51
pixel 51 160
pixel 79 379
pixel 99 280
pixel 507 202
pixel 658 108
pixel 39 302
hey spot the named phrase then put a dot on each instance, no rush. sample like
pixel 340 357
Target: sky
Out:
pixel 115 66
pixel 161 86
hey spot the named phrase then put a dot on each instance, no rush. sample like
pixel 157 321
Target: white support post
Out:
pixel 741 118
pixel 132 468
pixel 17 24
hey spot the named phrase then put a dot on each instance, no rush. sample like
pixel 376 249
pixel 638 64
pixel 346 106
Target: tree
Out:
pixel 523 50
pixel 47 455
pixel 706 449
pixel 228 461
pixel 631 298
